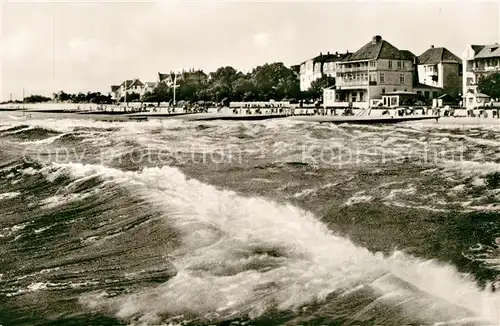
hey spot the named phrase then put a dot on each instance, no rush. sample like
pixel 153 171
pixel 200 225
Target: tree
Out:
pixel 161 93
pixel 316 89
pixel 275 81
pixel 36 99
pixel 490 85
pixel 221 82
pixel 243 89
pixel 131 97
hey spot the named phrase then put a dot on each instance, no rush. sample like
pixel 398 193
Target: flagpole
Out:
pixel 175 85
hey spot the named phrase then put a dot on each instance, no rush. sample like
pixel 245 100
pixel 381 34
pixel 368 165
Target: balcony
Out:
pixel 354 83
pixel 356 69
pixel 486 68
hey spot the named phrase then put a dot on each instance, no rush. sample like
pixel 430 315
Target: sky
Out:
pixel 48 46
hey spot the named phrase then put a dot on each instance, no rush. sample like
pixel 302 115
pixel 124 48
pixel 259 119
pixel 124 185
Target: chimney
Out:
pixel 337 53
pixel 432 46
pixel 320 54
pixel 328 53
pixel 376 39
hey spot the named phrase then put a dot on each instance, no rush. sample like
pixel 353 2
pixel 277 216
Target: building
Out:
pixel 375 69
pixel 191 76
pixel 130 86
pixel 317 67
pixel 441 71
pixel 296 70
pixel 478 61
pixel 148 88
pixel 115 94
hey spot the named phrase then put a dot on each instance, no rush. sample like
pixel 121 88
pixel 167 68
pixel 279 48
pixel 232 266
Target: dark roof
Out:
pixel 437 55
pixel 295 68
pixel 477 48
pixel 137 82
pixel 131 82
pixel 328 57
pixel 162 77
pixel 378 48
pixel 114 88
pixel 127 83
pixel 488 51
pixel 408 54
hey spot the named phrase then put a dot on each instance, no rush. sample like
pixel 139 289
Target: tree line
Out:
pixel 272 81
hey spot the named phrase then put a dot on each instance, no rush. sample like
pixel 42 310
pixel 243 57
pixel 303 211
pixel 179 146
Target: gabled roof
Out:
pixel 328 57
pixel 131 82
pixel 378 48
pixel 163 76
pixel 408 54
pixel 137 82
pixel 114 88
pixel 150 84
pixel 127 83
pixel 437 55
pixel 487 51
pixel 477 48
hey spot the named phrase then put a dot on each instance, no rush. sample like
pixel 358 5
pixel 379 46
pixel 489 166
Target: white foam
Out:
pixel 221 232
pixel 9 195
pixel 357 198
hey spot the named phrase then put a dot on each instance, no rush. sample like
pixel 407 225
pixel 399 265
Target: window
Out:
pixel 390 64
pixel 383 90
pixel 403 64
pixel 399 64
pixel 382 77
pixel 434 94
pixel 372 63
pixel 394 89
pixel 402 78
pixel 426 94
pixel 419 92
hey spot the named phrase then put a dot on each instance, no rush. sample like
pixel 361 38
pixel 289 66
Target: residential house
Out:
pixel 191 76
pixel 376 69
pixel 439 71
pixel 130 86
pixel 478 61
pixel 148 88
pixel 317 67
pixel 115 92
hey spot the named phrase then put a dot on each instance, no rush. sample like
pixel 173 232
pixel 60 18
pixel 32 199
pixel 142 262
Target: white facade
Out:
pixel 309 72
pixel 431 75
pixel 478 61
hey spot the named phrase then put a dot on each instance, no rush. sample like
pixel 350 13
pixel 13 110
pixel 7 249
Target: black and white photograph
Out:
pixel 249 163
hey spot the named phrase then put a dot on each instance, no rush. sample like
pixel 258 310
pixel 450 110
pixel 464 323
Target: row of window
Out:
pixel 361 76
pixel 330 66
pixel 487 63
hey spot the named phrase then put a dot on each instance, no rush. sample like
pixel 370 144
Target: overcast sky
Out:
pixel 82 46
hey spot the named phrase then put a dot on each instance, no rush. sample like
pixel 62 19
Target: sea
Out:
pixel 275 222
